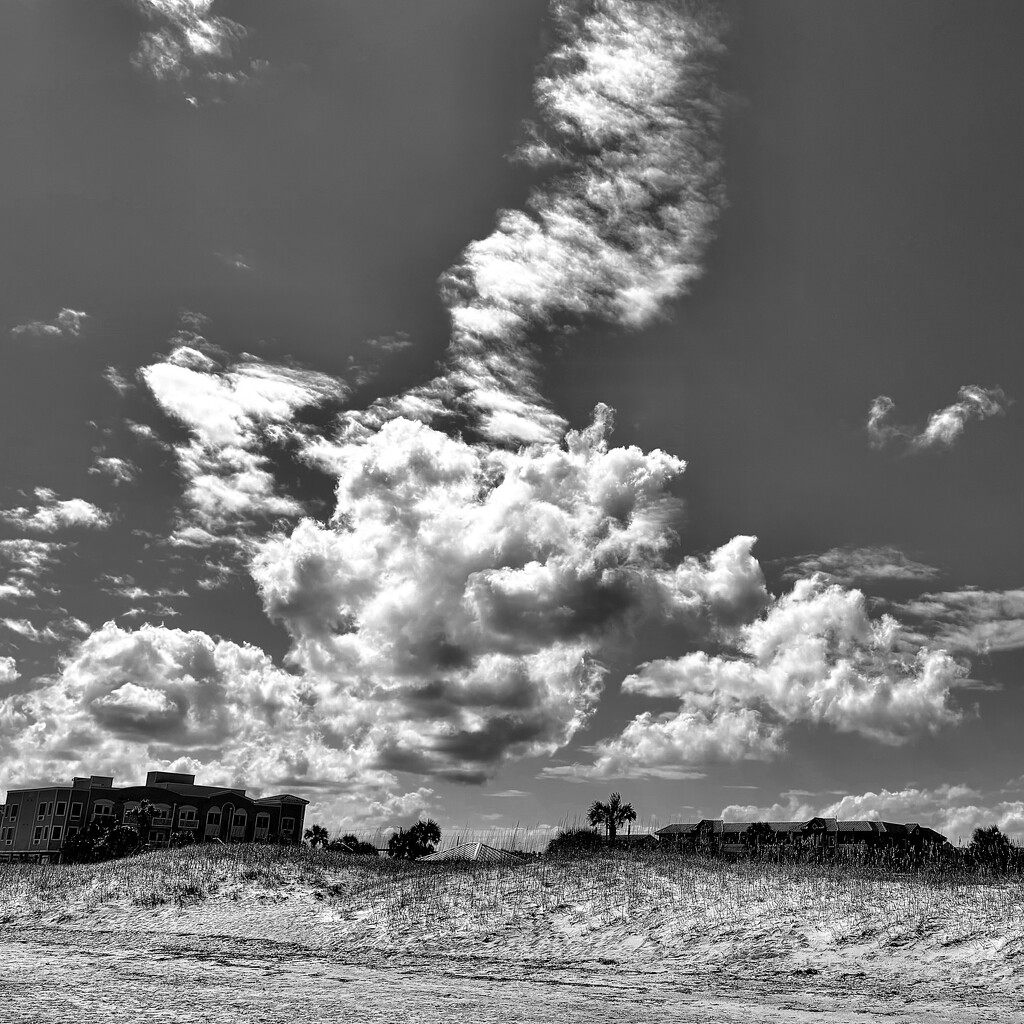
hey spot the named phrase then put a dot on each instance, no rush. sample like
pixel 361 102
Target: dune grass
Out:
pixel 676 897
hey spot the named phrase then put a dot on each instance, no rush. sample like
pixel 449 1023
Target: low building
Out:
pixel 822 833
pixel 35 823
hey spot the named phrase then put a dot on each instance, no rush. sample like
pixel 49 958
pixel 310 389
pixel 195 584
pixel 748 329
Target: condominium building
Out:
pixel 35 823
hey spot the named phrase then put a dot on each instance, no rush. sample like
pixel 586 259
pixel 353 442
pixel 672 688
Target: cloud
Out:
pixel 116 380
pixel 8 670
pixel 236 412
pixel 978 621
pixel 850 565
pixel 953 810
pixel 68 323
pixel 629 131
pixel 118 471
pixel 815 657
pixel 126 701
pixel 470 592
pixel 26 562
pixel 52 514
pixel 943 427
pixel 187 42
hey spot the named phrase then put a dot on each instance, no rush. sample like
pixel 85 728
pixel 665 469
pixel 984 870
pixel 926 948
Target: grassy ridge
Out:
pixel 671 896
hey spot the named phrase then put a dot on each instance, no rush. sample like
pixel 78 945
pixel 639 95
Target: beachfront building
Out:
pixel 822 833
pixel 35 823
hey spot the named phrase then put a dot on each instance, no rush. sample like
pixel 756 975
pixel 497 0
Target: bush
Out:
pixel 100 840
pixel 351 844
pixel 416 842
pixel 576 842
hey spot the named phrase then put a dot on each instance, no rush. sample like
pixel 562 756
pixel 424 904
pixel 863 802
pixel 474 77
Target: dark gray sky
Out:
pixel 302 188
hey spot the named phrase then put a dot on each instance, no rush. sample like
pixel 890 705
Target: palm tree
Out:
pixel 317 835
pixel 758 835
pixel 611 815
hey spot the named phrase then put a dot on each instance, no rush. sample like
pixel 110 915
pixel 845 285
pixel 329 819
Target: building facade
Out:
pixel 35 823
pixel 821 833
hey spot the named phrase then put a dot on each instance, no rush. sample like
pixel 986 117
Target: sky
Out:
pixel 469 409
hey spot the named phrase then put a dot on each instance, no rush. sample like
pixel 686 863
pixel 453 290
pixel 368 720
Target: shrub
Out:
pixel 416 842
pixel 576 842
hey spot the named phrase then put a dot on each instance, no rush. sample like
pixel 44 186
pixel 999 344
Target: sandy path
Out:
pixel 51 974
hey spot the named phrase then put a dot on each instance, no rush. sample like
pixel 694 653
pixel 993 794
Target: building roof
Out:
pixel 477 852
pixel 734 829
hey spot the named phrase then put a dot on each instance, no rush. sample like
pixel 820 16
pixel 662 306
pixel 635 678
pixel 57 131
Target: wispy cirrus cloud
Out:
pixel 852 565
pixel 68 323
pixel 943 428
pixel 52 514
pixel 969 620
pixel 236 412
pixel 629 129
pixel 116 470
pixel 26 561
pixel 190 42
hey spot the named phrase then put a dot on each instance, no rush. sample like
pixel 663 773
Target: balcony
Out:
pixel 237 831
pixel 188 823
pixel 212 830
pixel 163 821
pixel 262 833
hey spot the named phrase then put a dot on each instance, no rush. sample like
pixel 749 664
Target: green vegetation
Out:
pixel 416 842
pixel 612 815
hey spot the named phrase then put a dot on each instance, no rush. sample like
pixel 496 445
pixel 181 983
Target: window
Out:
pixel 62 806
pixel 38 834
pixel 44 810
pixel 239 820
pixel 288 825
pixel 188 817
pixel 103 809
pixel 72 831
pixel 13 812
pixel 213 818
pixel 55 832
pixel 76 809
pixel 263 820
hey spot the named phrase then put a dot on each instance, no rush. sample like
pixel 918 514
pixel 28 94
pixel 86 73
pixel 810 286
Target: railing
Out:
pixel 188 823
pixel 237 831
pixel 261 833
pixel 164 819
pixel 212 830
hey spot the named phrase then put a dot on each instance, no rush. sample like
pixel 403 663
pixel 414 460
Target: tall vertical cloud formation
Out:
pixel 630 119
pixel 944 426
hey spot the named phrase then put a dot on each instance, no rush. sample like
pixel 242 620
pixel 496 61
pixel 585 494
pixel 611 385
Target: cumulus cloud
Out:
pixel 943 427
pixel 851 565
pixel 235 412
pixel 126 701
pixel 953 810
pixel 470 591
pixel 52 514
pixel 67 323
pixel 189 42
pixel 977 621
pixel 816 656
pixel 8 670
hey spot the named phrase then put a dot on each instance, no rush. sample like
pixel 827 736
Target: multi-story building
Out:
pixel 35 823
pixel 826 833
